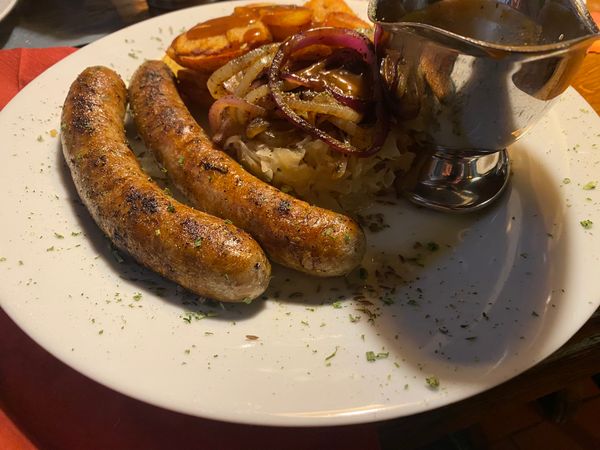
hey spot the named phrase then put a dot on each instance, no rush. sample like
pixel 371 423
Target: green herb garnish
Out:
pixel 433 382
pixel 372 356
pixel 433 246
pixel 332 355
pixel 327 231
pixel 589 185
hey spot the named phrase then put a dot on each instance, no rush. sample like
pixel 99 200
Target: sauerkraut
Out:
pixel 311 170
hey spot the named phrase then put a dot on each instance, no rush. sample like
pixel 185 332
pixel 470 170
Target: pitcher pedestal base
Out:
pixel 454 182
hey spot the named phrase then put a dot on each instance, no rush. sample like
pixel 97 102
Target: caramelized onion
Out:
pixel 316 77
pixel 215 113
pixel 334 37
pixel 356 103
pixel 219 76
pixel 330 108
pixel 256 94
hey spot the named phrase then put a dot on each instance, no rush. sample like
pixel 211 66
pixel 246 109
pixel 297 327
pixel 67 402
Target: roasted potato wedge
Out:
pixel 286 20
pixel 210 44
pixel 322 8
pixel 282 20
pixel 344 20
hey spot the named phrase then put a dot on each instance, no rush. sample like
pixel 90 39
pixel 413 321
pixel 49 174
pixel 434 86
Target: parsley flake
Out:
pixel 433 246
pixel 587 224
pixel 372 356
pixel 433 382
pixel 590 185
pixel 196 315
pixel 327 231
pixel 332 355
pixel 117 255
pixel 353 319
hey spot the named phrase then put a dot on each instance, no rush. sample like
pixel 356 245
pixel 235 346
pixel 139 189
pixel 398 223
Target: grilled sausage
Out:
pixel 292 232
pixel 200 252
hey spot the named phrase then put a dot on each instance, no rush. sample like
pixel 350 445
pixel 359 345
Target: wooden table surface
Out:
pixel 587 80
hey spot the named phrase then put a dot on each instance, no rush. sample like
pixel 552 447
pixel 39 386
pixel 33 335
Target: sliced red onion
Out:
pixel 338 37
pixel 356 103
pixel 338 57
pixel 216 110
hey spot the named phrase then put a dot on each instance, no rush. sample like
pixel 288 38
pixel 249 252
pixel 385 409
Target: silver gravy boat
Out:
pixel 464 98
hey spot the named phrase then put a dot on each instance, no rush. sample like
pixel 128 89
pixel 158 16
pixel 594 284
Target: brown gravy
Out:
pixel 484 20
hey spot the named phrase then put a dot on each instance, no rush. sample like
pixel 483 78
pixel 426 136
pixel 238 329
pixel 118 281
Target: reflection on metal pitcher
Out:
pixel 469 77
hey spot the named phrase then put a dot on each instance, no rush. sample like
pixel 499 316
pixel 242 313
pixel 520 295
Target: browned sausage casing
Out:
pixel 200 252
pixel 292 232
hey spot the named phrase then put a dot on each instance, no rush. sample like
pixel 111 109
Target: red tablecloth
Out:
pixel 45 404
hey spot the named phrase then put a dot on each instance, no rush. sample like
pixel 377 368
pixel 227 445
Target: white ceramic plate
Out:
pixel 6 7
pixel 505 288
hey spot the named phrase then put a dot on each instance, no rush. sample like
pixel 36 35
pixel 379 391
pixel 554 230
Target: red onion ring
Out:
pixel 340 37
pixel 216 110
pixel 340 57
pixel 356 103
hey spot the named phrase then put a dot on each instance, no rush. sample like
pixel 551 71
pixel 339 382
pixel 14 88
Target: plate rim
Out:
pixel 8 7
